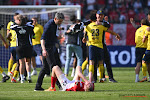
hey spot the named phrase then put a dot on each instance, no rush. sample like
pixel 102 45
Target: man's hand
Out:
pixel 131 20
pixel 44 52
pixel 118 37
pixel 84 40
pixel 6 45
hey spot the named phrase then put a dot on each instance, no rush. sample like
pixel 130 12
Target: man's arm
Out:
pixel 146 35
pixel 113 33
pixel 84 37
pixel 44 52
pixel 133 23
pixel 79 74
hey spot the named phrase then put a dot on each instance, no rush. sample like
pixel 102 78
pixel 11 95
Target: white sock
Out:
pixel 73 69
pixel 22 76
pixel 137 76
pixel 29 75
pixel 3 74
pixel 34 69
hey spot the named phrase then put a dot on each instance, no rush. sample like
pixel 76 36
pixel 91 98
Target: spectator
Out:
pixel 113 16
pixel 137 5
pixel 141 15
pixel 90 5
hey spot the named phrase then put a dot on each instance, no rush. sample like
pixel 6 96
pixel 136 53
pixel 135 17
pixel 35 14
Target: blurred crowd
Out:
pixel 119 11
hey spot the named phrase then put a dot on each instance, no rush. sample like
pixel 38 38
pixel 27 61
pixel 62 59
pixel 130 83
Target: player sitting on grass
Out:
pixel 75 85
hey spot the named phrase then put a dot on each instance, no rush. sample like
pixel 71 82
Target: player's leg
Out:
pixel 84 64
pixel 144 71
pixel 5 77
pixel 21 69
pixel 139 55
pixel 101 70
pixel 33 62
pixel 68 58
pixel 16 72
pixel 148 68
pixel 28 68
pixel 10 64
pixel 56 73
pixel 74 66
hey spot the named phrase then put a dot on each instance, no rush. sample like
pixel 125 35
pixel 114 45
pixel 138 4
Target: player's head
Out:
pixel 15 15
pixel 144 22
pixel 20 20
pixel 100 15
pixel 73 18
pixel 59 17
pixel 88 87
pixel 34 19
pixel 93 15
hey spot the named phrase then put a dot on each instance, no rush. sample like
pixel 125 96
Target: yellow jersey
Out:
pixel 139 34
pixel 13 33
pixel 95 34
pixel 147 34
pixel 38 30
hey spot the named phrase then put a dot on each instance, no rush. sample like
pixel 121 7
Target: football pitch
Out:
pixel 125 89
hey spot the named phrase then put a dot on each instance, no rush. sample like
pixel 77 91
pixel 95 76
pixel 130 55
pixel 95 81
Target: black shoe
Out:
pixel 5 78
pixel 39 89
pixel 112 80
pixel 29 81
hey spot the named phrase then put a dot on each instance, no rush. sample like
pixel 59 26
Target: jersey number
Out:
pixel 95 32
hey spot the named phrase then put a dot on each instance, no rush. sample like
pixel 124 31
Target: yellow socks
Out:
pixel 144 69
pixel 101 70
pixel 15 73
pixel 14 66
pixel 84 64
pixel 10 64
pixel 91 69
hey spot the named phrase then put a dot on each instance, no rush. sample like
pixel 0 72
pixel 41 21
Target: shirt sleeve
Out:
pixel 46 31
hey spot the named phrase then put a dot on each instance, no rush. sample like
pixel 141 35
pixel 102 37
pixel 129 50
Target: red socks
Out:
pixel 53 81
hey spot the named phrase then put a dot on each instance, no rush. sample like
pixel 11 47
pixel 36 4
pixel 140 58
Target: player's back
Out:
pixel 140 32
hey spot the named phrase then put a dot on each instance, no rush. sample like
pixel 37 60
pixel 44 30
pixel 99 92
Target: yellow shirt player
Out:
pixel 38 30
pixel 95 33
pixel 13 34
pixel 147 53
pixel 140 47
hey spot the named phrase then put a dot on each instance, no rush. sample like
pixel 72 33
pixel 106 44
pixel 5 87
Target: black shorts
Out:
pixel 24 51
pixel 139 54
pixel 147 56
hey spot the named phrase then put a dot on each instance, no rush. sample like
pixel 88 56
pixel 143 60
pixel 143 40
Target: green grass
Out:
pixel 103 91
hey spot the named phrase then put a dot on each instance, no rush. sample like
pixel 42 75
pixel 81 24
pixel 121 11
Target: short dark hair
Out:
pixel 93 15
pixel 144 21
pixel 22 19
pixel 59 15
pixel 73 18
pixel 16 14
pixel 34 18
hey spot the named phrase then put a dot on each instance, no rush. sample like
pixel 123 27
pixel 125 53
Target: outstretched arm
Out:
pixel 113 33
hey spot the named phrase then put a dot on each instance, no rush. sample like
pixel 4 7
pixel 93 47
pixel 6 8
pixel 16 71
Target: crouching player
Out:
pixel 75 85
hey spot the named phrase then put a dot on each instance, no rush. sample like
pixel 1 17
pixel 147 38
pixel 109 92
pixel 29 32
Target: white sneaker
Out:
pixel 34 72
pixel 137 80
pixel 22 81
pixel 8 73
